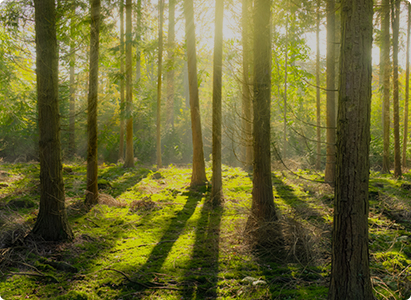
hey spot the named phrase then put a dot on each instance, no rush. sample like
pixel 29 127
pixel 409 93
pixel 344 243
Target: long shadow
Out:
pixel 201 278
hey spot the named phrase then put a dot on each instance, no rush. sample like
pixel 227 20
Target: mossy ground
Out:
pixel 153 238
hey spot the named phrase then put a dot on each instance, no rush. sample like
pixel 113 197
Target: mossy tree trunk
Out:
pixel 51 223
pixel 72 105
pixel 121 147
pixel 350 274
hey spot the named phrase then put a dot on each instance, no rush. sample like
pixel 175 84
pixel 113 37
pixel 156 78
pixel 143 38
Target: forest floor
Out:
pixel 153 238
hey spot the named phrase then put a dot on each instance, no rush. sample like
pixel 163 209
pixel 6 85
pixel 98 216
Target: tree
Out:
pixel 129 161
pixel 72 118
pixel 407 90
pixel 51 223
pixel 138 39
pixel 198 176
pixel 350 274
pixel 216 191
pixel 121 148
pixel 317 75
pixel 395 15
pixel 330 119
pixel 92 169
pixel 262 209
pixel 385 72
pixel 170 69
pixel 246 87
pixel 159 70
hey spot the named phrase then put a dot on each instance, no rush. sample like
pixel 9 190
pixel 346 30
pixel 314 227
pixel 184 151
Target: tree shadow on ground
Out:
pixel 201 277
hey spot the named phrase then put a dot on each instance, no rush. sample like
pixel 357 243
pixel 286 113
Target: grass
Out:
pixel 153 238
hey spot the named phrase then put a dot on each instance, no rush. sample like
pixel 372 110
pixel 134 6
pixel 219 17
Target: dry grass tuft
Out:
pixel 110 201
pixel 143 205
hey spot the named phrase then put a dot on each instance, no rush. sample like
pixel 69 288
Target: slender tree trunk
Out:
pixel 350 274
pixel 330 161
pixel 407 91
pixel 129 161
pixel 160 66
pixel 121 148
pixel 262 209
pixel 170 69
pixel 198 176
pixel 246 87
pixel 385 69
pixel 395 5
pixel 285 90
pixel 216 191
pixel 51 223
pixel 318 160
pixel 92 189
pixel 72 109
pixel 138 39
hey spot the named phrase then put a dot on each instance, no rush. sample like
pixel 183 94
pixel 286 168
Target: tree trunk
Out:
pixel 121 148
pixel 159 70
pixel 198 176
pixel 385 70
pixel 216 191
pixel 72 109
pixel 262 209
pixel 92 189
pixel 395 6
pixel 330 160
pixel 285 90
pixel 246 87
pixel 138 39
pixel 350 275
pixel 318 159
pixel 407 92
pixel 129 161
pixel 51 223
pixel 170 69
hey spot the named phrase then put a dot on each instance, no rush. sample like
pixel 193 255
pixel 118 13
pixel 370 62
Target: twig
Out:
pixel 54 279
pixel 92 222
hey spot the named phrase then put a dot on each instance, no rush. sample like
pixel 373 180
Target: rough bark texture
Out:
pixel 385 70
pixel 246 88
pixel 92 189
pixel 407 92
pixel 330 160
pixel 51 223
pixel 395 29
pixel 121 148
pixel 216 191
pixel 262 209
pixel 72 109
pixel 198 176
pixel 170 58
pixel 317 73
pixel 129 161
pixel 159 70
pixel 350 275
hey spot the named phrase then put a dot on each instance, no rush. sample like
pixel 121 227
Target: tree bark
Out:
pixel 285 90
pixel 350 275
pixel 129 161
pixel 121 148
pixel 330 160
pixel 198 176
pixel 407 91
pixel 318 159
pixel 170 69
pixel 92 189
pixel 160 66
pixel 262 209
pixel 385 70
pixel 216 191
pixel 138 39
pixel 395 6
pixel 51 223
pixel 72 108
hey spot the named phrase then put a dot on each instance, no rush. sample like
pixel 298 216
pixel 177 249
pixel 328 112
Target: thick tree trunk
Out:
pixel 407 91
pixel 170 71
pixel 216 191
pixel 92 189
pixel 121 148
pixel 385 70
pixel 317 73
pixel 159 70
pixel 350 275
pixel 262 209
pixel 198 176
pixel 129 161
pixel 395 5
pixel 330 160
pixel 51 223
pixel 246 88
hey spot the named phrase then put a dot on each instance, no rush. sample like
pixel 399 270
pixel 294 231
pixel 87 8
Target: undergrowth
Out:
pixel 151 237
